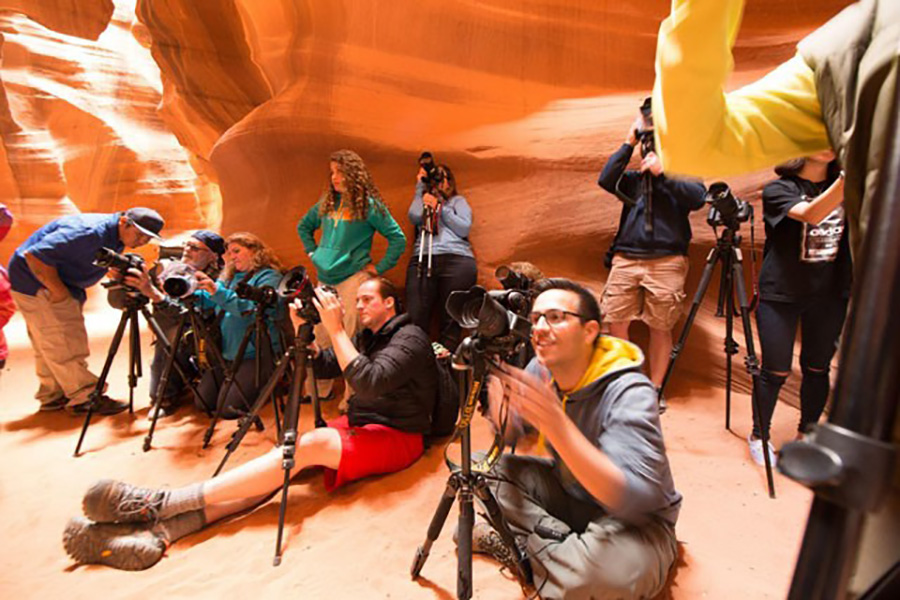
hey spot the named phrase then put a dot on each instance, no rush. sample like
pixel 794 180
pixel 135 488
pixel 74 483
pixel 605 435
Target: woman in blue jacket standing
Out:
pixel 452 260
pixel 247 261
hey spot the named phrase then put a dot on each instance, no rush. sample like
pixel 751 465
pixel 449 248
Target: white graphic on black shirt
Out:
pixel 820 243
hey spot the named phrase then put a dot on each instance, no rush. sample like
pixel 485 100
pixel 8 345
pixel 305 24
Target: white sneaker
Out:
pixel 756 452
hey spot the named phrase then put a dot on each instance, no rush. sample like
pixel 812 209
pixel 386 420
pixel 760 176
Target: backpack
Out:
pixel 446 408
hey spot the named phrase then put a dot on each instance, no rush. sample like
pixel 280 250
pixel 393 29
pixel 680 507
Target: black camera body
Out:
pixel 725 209
pixel 645 133
pixel 498 318
pixel 178 279
pixel 296 285
pixel 110 259
pixel 263 295
pixel 434 175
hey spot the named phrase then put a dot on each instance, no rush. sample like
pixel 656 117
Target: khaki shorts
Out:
pixel 651 290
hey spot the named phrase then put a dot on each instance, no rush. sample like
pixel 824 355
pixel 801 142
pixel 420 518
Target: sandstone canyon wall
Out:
pixel 223 112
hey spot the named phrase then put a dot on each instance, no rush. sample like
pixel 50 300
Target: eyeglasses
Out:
pixel 193 247
pixel 554 317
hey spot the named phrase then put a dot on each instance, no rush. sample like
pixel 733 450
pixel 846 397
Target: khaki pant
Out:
pixel 597 557
pixel 347 292
pixel 650 289
pixel 60 343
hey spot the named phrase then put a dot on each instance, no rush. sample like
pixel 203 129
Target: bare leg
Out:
pixel 619 330
pixel 660 352
pixel 261 476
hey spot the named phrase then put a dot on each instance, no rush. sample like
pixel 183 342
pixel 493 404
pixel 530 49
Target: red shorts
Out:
pixel 371 450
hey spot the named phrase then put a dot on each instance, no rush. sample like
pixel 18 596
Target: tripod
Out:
pixel 188 319
pixel 463 484
pixel 727 251
pixel 298 357
pixel 429 224
pixel 259 332
pixel 134 304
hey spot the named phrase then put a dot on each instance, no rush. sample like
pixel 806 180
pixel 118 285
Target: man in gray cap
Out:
pixel 49 274
pixel 203 251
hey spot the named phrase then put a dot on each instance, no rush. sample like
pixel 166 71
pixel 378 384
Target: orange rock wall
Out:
pixel 224 112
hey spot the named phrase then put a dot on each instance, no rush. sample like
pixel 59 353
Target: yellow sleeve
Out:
pixel 701 130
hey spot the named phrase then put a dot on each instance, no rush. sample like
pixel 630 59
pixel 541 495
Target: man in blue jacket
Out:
pixel 649 253
pixel 49 274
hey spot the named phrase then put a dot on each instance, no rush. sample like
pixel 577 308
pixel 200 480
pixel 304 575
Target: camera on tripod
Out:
pixel 296 285
pixel 110 259
pixel 725 209
pixel 434 175
pixel 498 319
pixel 263 295
pixel 179 280
pixel 645 133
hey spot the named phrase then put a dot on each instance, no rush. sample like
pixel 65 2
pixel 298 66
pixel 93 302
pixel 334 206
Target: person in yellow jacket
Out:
pixel 835 92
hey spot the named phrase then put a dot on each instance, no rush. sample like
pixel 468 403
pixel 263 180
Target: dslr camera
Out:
pixel 296 285
pixel 645 133
pixel 110 259
pixel 178 279
pixel 725 209
pixel 434 175
pixel 499 318
pixel 263 295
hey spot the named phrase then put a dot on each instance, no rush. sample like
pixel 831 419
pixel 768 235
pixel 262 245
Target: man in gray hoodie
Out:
pixel 597 518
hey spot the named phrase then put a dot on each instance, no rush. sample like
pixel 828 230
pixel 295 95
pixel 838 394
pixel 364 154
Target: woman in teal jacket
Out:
pixel 247 260
pixel 349 213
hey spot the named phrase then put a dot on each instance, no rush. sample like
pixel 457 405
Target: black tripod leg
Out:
pixel 753 368
pixel 230 373
pixel 247 421
pixel 464 543
pixel 705 278
pixel 101 382
pixel 498 522
pixel 134 358
pixel 171 353
pixel 317 407
pixel 731 346
pixel 437 523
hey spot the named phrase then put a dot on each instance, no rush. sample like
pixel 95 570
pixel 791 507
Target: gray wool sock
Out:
pixel 182 500
pixel 175 528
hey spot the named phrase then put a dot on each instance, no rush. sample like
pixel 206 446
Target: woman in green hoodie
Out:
pixel 349 213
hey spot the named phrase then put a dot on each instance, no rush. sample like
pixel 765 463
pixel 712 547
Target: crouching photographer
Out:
pixel 442 261
pixel 392 369
pixel 170 287
pixel 597 519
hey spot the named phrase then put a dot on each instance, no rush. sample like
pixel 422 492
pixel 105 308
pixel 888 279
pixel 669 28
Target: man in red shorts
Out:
pixel 392 369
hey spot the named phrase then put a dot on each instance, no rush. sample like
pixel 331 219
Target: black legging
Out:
pixel 212 381
pixel 821 320
pixel 425 295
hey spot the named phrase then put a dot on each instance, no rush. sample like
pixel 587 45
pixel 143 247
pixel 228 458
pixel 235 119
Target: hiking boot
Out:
pixel 54 405
pixel 109 501
pixel 127 547
pixel 104 405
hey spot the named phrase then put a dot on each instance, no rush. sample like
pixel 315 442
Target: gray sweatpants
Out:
pixel 600 557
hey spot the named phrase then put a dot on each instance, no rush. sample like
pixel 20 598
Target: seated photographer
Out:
pixel 248 262
pixel 202 252
pixel 597 519
pixel 392 367
pixel 452 261
pixel 49 273
pixel 649 252
pixel 805 277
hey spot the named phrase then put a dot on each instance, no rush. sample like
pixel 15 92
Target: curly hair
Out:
pixel 263 256
pixel 359 185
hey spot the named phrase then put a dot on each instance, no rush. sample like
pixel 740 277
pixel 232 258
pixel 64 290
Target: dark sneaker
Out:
pixel 121 546
pixel 109 501
pixel 486 540
pixel 103 406
pixel 54 405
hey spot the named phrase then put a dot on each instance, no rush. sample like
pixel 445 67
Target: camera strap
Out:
pixel 468 411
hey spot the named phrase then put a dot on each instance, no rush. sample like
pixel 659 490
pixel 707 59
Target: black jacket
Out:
pixel 673 201
pixel 394 376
